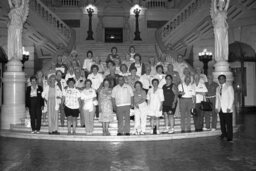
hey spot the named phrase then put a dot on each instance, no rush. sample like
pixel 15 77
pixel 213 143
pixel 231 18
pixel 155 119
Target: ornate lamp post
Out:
pixel 137 11
pixel 90 11
pixel 25 56
pixel 205 57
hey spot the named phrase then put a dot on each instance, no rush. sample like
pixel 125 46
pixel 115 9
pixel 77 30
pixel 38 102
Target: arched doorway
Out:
pixel 241 53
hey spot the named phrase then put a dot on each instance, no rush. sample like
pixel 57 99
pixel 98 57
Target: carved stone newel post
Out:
pixel 13 109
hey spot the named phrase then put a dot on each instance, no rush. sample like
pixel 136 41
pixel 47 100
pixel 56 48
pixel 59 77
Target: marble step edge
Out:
pixel 97 130
pixel 82 137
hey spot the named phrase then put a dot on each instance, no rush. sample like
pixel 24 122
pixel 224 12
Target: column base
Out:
pixel 222 68
pixel 13 108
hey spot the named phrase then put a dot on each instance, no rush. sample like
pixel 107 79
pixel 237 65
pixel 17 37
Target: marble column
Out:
pixel 13 108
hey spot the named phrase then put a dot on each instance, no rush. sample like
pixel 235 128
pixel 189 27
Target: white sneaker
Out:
pixel 165 130
pixel 213 129
pixel 33 132
pixel 206 129
pixel 38 132
pixel 142 133
pixel 171 131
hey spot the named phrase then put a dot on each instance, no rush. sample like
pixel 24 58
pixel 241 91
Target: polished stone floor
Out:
pixel 189 154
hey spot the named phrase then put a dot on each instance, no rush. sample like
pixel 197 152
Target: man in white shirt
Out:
pixel 224 106
pixel 122 98
pixel 187 102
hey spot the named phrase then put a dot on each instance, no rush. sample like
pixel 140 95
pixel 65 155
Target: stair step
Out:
pixel 96 130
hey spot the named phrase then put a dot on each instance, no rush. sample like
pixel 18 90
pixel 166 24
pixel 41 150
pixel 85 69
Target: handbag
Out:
pixel 206 105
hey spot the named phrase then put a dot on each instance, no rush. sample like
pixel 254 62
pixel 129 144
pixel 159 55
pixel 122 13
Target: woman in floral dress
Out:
pixel 105 106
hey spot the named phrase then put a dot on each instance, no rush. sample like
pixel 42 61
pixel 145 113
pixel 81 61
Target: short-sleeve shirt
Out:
pixel 122 95
pixel 87 64
pixel 146 81
pixel 87 95
pixel 96 80
pixel 211 88
pixel 189 90
pixel 139 96
pixel 71 98
pixel 200 88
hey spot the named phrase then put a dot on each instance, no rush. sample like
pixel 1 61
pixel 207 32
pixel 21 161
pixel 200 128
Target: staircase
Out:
pixel 44 29
pixel 194 21
pixel 98 127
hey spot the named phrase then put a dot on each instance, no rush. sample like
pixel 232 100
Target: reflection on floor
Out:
pixel 209 153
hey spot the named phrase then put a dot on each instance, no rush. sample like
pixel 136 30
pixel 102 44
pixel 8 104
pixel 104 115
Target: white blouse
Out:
pixel 88 95
pixel 71 98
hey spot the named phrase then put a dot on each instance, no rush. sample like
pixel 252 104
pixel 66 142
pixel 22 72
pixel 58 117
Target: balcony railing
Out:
pixel 157 3
pixel 62 3
pixel 70 3
pixel 42 10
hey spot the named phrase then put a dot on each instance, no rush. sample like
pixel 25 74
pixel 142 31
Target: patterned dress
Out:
pixel 106 107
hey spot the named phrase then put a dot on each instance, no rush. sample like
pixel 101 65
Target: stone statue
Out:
pixel 17 15
pixel 219 18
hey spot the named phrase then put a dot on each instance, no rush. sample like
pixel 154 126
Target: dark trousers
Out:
pixel 211 114
pixel 198 118
pixel 35 114
pixel 226 125
pixel 123 117
pixel 62 114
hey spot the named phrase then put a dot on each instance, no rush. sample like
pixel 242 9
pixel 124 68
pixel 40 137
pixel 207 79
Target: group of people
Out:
pixel 124 86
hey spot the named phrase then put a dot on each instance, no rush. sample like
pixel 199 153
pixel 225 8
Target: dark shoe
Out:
pixel 127 134
pixel 119 134
pixel 183 131
pixel 222 137
pixel 229 140
pixel 83 126
pixel 50 133
pixel 56 133
pixel 189 131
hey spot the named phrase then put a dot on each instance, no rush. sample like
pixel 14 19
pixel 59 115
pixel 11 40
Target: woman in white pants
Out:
pixel 140 108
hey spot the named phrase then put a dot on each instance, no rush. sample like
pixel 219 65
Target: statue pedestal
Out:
pixel 222 68
pixel 13 108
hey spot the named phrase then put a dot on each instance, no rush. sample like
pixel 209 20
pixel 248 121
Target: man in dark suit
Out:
pixel 224 106
pixel 35 104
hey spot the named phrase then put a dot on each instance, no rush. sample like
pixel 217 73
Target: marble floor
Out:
pixel 198 154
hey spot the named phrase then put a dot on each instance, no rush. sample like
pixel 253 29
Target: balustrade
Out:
pixel 43 11
pixel 181 17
